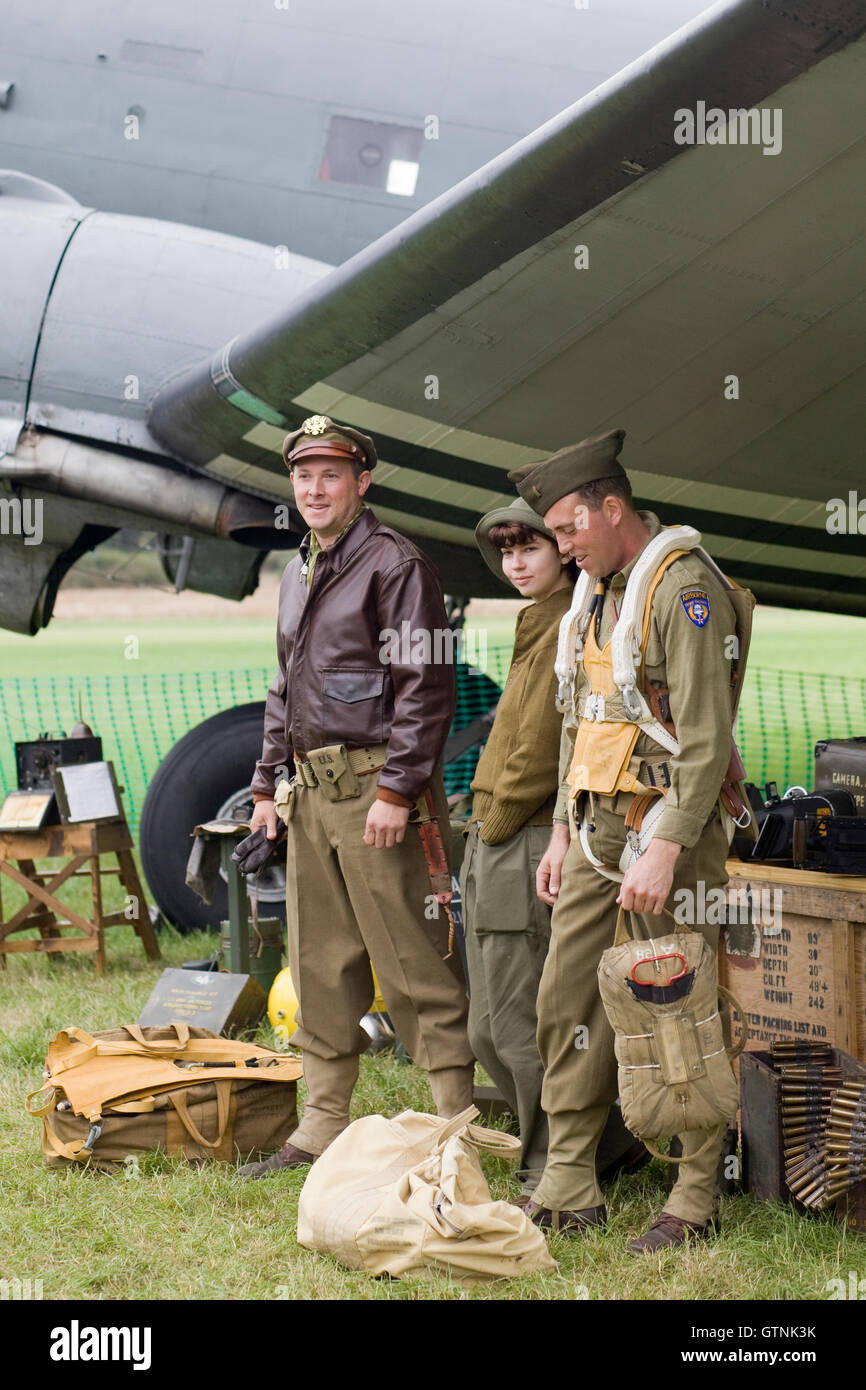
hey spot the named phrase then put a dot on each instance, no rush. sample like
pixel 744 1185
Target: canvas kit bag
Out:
pixel 661 997
pixel 406 1196
pixel 179 1089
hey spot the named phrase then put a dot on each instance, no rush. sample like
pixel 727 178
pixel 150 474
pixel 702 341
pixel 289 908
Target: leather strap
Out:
pixel 640 804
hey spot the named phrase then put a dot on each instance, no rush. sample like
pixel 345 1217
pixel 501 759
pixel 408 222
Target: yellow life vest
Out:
pixel 603 746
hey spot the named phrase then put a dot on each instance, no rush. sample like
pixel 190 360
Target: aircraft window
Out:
pixel 372 153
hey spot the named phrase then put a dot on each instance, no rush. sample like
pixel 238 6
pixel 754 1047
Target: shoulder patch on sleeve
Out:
pixel 696 603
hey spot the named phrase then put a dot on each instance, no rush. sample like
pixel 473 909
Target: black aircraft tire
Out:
pixel 207 766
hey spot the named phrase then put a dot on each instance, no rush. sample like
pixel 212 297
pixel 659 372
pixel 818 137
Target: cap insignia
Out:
pixel 316 424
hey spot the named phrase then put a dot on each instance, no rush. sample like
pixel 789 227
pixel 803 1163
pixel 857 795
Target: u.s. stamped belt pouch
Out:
pixel 332 767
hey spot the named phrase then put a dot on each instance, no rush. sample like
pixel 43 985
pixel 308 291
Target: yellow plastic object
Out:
pixel 378 1006
pixel 283 1004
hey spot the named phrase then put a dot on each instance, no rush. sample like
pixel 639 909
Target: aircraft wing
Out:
pixel 707 297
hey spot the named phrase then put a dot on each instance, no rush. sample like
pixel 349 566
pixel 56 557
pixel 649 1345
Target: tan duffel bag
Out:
pixel 407 1196
pixel 183 1090
pixel 661 997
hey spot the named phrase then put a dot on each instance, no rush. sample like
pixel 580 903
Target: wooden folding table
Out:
pixel 81 846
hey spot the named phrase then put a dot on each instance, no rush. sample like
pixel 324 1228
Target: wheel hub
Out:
pixel 271 881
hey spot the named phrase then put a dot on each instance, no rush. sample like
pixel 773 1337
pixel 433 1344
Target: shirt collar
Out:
pixel 537 617
pixel 310 546
pixel 654 526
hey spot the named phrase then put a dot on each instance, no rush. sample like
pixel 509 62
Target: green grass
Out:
pixel 72 647
pixel 175 1231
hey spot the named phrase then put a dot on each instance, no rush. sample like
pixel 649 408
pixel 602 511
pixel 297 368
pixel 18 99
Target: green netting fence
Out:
pixel 139 718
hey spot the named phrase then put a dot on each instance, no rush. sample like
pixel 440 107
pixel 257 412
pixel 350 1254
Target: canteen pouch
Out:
pixel 334 772
pixel 284 800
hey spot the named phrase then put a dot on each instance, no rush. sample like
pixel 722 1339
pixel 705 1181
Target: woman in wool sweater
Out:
pixel 515 785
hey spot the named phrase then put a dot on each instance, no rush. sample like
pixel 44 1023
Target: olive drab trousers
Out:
pixel 507 934
pixel 348 904
pixel 574 1037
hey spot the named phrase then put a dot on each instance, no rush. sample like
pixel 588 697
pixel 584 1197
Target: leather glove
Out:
pixel 250 854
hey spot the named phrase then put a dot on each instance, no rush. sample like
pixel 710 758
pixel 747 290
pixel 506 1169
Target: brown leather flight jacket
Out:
pixel 342 678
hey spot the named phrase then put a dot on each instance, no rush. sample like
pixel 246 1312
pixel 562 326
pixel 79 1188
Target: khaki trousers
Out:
pixel 348 905
pixel 580 1083
pixel 507 936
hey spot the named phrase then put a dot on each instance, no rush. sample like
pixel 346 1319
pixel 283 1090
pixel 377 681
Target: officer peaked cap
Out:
pixel 320 438
pixel 545 482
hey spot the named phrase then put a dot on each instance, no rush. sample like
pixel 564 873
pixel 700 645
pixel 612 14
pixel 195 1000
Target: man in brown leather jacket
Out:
pixel 364 717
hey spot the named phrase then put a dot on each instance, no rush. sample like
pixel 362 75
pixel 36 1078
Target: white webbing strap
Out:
pixel 625 642
pixel 596 863
pixel 625 650
pixel 569 649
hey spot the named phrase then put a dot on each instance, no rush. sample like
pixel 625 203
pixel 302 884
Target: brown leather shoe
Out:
pixel 286 1157
pixel 636 1156
pixel 567 1222
pixel 668 1231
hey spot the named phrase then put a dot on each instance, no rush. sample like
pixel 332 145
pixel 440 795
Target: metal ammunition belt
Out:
pixel 823 1123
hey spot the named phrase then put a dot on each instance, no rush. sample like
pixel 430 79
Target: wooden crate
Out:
pixel 804 976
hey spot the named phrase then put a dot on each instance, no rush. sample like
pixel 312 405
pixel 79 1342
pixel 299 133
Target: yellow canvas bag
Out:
pixel 407 1196
pixel 185 1090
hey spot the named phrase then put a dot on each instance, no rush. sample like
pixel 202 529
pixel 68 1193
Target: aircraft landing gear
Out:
pixel 205 775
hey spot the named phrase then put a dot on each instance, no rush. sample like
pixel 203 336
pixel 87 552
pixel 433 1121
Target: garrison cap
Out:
pixel 319 437
pixel 543 483
pixel 517 513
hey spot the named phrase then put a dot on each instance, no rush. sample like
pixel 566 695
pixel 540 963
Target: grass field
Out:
pixel 174 1231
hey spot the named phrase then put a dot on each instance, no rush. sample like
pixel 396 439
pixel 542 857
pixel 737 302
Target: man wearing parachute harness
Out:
pixel 650 663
